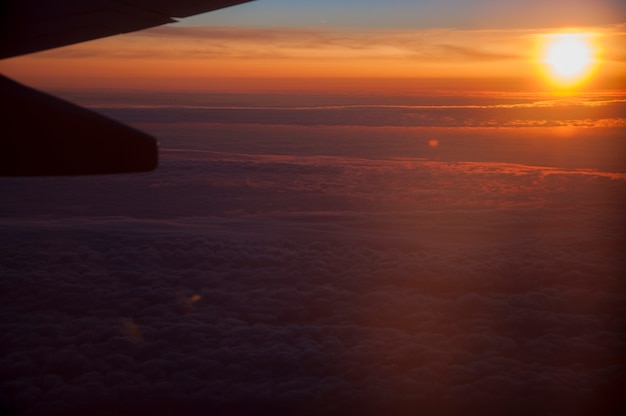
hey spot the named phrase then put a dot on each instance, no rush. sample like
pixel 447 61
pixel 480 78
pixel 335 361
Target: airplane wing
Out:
pixel 43 135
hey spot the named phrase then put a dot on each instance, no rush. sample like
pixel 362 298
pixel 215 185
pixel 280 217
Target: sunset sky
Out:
pixel 338 39
pixel 390 207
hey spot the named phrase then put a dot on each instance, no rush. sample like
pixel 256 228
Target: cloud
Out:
pixel 245 43
pixel 458 53
pixel 431 109
pixel 355 271
pixel 293 43
pixel 526 114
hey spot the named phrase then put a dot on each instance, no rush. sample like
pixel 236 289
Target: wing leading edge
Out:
pixel 43 135
pixel 35 25
pixel 49 136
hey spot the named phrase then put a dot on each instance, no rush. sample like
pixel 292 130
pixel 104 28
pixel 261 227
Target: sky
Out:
pixel 418 14
pixel 340 39
pixel 447 239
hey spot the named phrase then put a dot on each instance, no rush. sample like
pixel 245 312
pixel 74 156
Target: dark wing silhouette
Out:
pixel 36 25
pixel 43 135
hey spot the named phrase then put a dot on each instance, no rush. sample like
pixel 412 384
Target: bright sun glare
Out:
pixel 569 58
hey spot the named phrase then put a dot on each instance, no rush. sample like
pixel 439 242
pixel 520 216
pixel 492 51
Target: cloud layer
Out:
pixel 255 284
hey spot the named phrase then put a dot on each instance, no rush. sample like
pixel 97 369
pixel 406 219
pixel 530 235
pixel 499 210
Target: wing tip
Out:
pixel 44 135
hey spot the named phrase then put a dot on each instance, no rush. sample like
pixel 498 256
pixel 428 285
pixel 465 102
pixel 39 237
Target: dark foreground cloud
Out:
pixel 240 284
pixel 132 315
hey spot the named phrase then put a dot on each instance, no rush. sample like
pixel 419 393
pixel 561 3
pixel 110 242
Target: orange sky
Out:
pixel 179 57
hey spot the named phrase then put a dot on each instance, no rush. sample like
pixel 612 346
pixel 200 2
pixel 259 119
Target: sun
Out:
pixel 568 58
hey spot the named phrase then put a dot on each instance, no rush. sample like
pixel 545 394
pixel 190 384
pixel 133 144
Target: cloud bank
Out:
pixel 254 284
